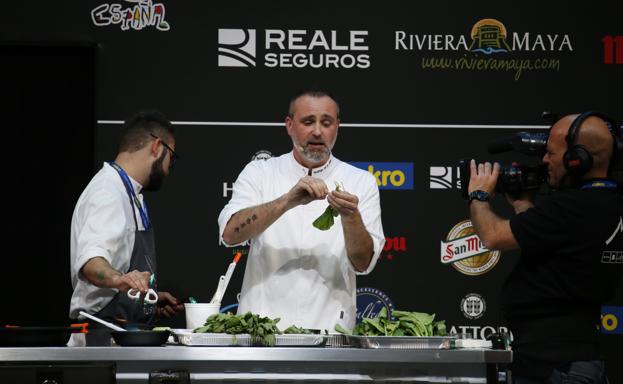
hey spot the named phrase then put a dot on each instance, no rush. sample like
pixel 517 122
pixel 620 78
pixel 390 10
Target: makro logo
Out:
pixel 487 37
pixel 611 319
pixel 143 14
pixel 464 250
pixel 442 177
pixel 370 301
pixel 389 175
pixel 613 49
pixel 393 247
pixel 473 306
pixel 293 48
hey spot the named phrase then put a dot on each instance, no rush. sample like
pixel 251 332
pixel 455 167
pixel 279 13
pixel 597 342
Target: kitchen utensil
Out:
pixel 140 338
pixel 224 280
pixel 151 297
pixel 106 323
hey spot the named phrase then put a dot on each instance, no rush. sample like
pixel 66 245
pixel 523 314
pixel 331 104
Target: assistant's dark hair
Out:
pixel 137 130
pixel 311 93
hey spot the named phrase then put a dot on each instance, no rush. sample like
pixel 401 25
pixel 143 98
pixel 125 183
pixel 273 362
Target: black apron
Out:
pixel 121 306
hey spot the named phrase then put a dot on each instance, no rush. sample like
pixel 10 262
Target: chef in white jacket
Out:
pixel 295 271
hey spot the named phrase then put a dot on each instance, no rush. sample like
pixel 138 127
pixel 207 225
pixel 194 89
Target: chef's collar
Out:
pixel 320 171
pixel 135 184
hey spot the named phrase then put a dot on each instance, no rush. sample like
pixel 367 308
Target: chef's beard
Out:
pixel 156 176
pixel 314 157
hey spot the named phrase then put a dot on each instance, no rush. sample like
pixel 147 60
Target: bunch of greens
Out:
pixel 261 329
pixel 325 221
pixel 406 324
pixel 293 329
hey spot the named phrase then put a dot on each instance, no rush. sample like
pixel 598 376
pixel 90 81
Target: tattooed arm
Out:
pixel 250 222
pixel 99 272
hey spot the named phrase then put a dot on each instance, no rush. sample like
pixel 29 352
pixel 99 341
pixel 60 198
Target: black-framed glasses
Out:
pixel 174 155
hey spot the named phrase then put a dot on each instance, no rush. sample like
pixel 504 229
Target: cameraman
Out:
pixel 571 242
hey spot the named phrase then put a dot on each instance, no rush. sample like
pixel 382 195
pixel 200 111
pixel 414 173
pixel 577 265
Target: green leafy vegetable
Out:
pixel 406 324
pixel 293 329
pixel 261 329
pixel 325 221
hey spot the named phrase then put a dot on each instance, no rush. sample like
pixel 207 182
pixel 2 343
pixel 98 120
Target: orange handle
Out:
pixel 83 327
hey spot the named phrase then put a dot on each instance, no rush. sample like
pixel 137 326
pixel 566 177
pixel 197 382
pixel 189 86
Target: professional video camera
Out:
pixel 514 179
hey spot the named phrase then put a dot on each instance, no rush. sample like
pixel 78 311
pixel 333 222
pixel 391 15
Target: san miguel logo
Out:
pixel 465 252
pixel 142 14
pixel 514 52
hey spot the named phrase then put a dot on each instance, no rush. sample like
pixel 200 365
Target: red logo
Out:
pixel 613 49
pixel 392 246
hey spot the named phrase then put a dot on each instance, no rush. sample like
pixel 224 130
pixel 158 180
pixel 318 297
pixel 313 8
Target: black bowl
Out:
pixel 140 338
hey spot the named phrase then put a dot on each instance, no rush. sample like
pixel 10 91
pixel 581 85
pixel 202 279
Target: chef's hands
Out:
pixel 168 305
pixel 132 280
pixel 483 177
pixel 306 190
pixel 309 188
pixel 343 202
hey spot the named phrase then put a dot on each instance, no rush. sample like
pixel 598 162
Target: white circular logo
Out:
pixel 262 154
pixel 473 306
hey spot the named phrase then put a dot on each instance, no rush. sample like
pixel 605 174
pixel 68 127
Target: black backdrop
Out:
pixel 397 109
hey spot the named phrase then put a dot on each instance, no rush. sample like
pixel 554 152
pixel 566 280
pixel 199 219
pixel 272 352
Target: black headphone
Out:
pixel 577 159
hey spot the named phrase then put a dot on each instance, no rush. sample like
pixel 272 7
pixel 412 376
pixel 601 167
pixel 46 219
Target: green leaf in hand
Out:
pixel 325 221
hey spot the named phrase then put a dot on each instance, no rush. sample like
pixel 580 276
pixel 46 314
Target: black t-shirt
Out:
pixel 571 262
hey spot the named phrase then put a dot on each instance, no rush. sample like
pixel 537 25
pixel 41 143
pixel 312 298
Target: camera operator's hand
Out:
pixel 483 177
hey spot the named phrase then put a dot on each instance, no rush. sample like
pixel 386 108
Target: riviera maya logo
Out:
pixel 503 50
pixel 140 15
pixel 465 252
pixel 489 36
pixel 370 301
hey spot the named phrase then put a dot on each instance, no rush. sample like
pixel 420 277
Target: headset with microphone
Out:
pixel 577 159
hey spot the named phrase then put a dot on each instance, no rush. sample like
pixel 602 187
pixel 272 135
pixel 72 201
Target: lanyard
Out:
pixel 600 184
pixel 130 189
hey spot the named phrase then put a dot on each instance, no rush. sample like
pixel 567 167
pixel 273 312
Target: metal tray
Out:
pixel 296 340
pixel 402 342
pixel 337 340
pixel 187 337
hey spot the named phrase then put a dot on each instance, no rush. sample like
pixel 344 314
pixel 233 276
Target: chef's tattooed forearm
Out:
pixel 246 222
pixel 100 275
pixel 252 221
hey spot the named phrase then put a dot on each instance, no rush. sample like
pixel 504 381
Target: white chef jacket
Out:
pixel 102 225
pixel 295 271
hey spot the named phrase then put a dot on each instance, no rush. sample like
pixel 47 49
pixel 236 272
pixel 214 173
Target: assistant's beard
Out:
pixel 156 176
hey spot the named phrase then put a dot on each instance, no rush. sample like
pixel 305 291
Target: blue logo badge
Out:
pixel 370 301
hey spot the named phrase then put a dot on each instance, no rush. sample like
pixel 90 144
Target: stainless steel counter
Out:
pixel 217 364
